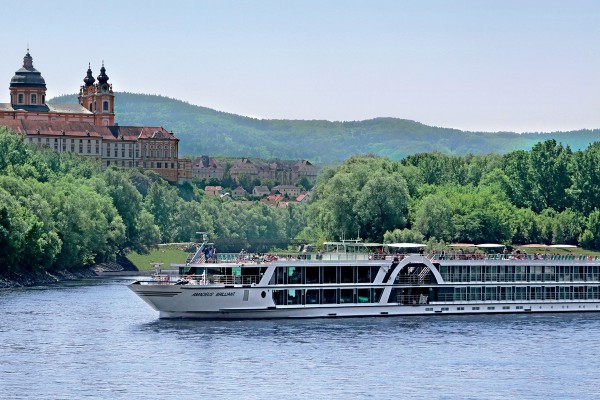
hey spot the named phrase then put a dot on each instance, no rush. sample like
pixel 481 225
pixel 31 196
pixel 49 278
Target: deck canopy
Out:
pixel 562 246
pixel 461 245
pixel 535 246
pixel 406 245
pixel 490 245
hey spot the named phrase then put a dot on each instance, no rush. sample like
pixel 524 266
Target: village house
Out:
pixel 289 190
pixel 206 167
pixel 260 191
pixel 304 168
pixel 214 191
pixel 239 192
pixel 243 167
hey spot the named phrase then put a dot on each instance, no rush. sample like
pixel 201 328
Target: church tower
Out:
pixel 87 92
pixel 27 87
pixel 105 100
pixel 98 98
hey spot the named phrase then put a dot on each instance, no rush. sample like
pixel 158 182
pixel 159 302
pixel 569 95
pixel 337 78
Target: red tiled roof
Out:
pixel 57 128
pixel 60 128
pixel 141 132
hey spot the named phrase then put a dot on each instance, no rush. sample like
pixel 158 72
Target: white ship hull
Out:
pixel 219 302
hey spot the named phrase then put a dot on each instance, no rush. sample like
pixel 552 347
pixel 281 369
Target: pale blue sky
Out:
pixel 473 65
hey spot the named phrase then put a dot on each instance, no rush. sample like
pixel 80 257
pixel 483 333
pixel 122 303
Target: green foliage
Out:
pixel 367 195
pixel 590 238
pixel 403 236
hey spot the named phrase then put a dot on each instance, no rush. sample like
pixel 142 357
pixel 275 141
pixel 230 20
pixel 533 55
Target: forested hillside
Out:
pixel 206 131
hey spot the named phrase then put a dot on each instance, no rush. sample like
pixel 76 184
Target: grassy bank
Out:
pixel 166 254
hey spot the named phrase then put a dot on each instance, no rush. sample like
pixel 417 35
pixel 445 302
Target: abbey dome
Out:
pixel 27 76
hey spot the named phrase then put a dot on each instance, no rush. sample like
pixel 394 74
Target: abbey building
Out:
pixel 87 128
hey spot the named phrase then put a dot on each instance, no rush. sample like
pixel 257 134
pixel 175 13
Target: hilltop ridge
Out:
pixel 206 131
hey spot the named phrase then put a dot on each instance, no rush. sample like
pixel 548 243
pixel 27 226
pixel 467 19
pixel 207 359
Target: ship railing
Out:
pixel 161 279
pixel 530 257
pixel 412 299
pixel 413 279
pixel 520 277
pixel 557 296
pixel 236 279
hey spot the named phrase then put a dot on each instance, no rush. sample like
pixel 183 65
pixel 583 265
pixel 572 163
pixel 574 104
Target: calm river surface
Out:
pixel 96 339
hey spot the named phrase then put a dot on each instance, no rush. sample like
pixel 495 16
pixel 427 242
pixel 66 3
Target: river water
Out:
pixel 96 339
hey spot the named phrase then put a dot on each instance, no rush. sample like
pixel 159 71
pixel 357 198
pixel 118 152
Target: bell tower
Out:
pixel 105 100
pixel 98 98
pixel 87 92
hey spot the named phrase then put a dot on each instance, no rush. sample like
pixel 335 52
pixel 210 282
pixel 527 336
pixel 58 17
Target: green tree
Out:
pixel 434 218
pixel 590 238
pixel 162 202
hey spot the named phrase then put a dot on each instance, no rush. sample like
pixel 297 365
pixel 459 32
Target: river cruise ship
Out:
pixel 350 283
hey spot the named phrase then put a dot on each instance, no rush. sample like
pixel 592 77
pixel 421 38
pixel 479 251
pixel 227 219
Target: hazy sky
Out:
pixel 474 65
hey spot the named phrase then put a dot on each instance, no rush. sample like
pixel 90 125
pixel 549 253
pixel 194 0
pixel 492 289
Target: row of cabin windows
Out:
pixel 519 273
pixel 326 296
pixel 324 275
pixel 516 293
pixel 33 99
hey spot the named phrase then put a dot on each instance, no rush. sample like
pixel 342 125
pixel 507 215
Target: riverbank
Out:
pixel 27 279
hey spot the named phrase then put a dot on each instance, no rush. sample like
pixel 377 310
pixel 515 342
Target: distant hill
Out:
pixel 206 131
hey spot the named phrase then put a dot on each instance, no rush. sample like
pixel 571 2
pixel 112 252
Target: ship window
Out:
pixel 490 293
pixel 329 274
pixel 329 296
pixel 346 296
pixel 376 295
pixel 475 308
pixel 294 275
pixel 475 293
pixel 363 295
pixel 278 297
pixel 520 293
pixel 460 294
pixel 346 275
pixel 362 275
pixel 294 296
pixel 312 296
pixel 312 275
